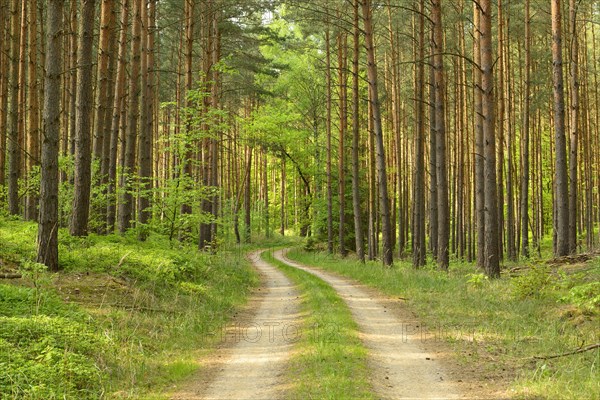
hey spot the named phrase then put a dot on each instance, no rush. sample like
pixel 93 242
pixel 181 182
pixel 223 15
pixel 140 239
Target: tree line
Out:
pixel 390 129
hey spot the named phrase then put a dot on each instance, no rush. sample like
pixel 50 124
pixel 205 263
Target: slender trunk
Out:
pixel 328 134
pixel 5 44
pixel 14 152
pixel 479 143
pixel 118 104
pixel 574 126
pixel 387 244
pixel 342 78
pixel 83 159
pixel 525 138
pixel 47 237
pixel 418 248
pixel 358 229
pixel 440 127
pixel 561 177
pixel 492 259
pixel 126 205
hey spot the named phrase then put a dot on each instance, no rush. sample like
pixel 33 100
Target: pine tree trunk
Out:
pixel 33 142
pixel 126 205
pixel 358 229
pixel 418 248
pixel 118 104
pixel 342 83
pixel 14 152
pixel 492 256
pixel 47 238
pixel 561 177
pixel 443 215
pixel 574 126
pixel 83 119
pixel 524 206
pixel 5 44
pixel 387 244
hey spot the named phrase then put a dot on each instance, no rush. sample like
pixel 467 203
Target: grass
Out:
pixel 124 319
pixel 329 361
pixel 498 326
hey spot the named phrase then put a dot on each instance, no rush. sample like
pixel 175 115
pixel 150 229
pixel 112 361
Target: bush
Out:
pixel 586 297
pixel 533 283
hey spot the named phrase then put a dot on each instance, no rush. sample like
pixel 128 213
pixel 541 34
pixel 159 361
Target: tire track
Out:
pixel 252 360
pixel 401 368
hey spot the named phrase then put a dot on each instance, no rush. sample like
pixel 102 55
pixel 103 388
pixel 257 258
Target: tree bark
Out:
pixel 574 126
pixel 47 238
pixel 418 240
pixel 118 104
pixel 387 245
pixel 83 156
pixel 33 142
pixel 560 161
pixel 14 151
pixel 443 215
pixel 126 205
pixel 492 256
pixel 525 138
pixel 358 229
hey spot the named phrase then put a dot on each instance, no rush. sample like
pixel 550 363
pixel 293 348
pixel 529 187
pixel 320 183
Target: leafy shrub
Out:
pixel 533 283
pixel 46 357
pixel 586 297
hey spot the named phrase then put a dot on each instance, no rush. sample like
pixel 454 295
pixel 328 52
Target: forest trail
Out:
pixel 252 359
pixel 401 368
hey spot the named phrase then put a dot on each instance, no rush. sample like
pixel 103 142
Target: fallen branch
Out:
pixel 569 353
pixel 9 275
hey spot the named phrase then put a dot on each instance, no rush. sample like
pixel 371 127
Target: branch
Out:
pixel 580 350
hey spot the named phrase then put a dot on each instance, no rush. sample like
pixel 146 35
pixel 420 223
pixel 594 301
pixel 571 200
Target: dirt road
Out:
pixel 400 366
pixel 251 361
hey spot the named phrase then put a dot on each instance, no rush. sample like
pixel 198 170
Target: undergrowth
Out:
pixel 330 360
pixel 124 318
pixel 500 326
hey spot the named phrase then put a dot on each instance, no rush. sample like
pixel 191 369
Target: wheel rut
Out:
pixel 400 366
pixel 251 362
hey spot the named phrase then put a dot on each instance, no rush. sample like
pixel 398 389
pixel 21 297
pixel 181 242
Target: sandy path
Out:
pixel 400 367
pixel 251 362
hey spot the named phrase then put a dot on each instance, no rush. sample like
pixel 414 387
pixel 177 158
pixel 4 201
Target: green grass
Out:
pixel 142 311
pixel 330 360
pixel 498 326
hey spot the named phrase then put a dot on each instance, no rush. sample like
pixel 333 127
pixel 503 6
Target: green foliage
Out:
pixel 477 279
pixel 586 297
pixel 53 356
pixel 534 282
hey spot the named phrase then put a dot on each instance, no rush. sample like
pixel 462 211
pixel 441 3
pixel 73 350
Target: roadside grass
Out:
pixel 124 319
pixel 499 326
pixel 329 361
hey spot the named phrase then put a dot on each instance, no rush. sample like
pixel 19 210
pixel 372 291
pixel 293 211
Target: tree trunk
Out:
pixel 525 138
pixel 418 248
pixel 83 156
pixel 358 229
pixel 14 152
pixel 126 205
pixel 5 44
pixel 328 134
pixel 342 83
pixel 492 256
pixel 47 238
pixel 118 104
pixel 561 176
pixel 33 143
pixel 440 127
pixel 574 126
pixel 378 136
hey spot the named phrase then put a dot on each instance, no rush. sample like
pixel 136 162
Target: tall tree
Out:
pixel 33 142
pixel 126 205
pixel 561 196
pixel 524 206
pixel 418 240
pixel 14 151
pixel 83 159
pixel 343 88
pixel 358 229
pixel 573 124
pixel 386 228
pixel 443 215
pixel 492 256
pixel 48 218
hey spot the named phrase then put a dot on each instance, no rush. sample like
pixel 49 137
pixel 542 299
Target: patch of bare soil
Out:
pixel 251 361
pixel 406 361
